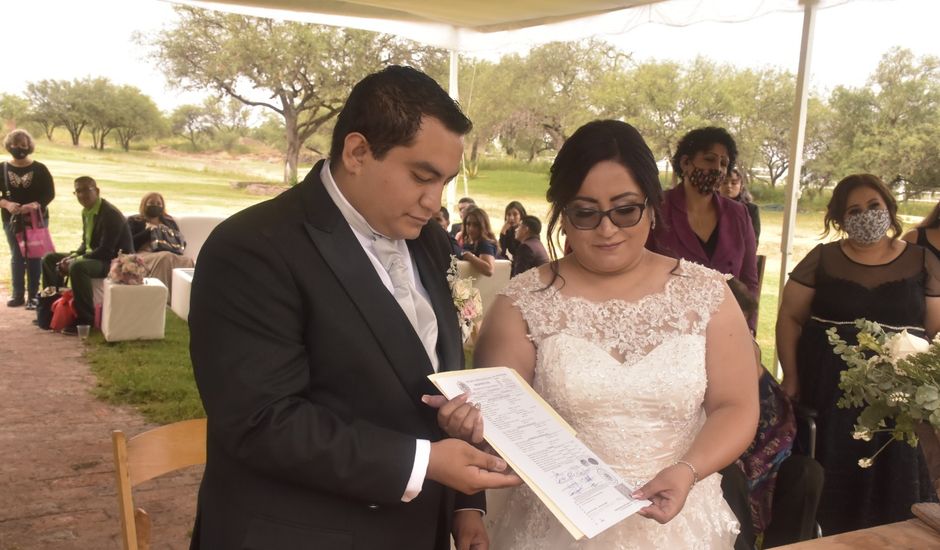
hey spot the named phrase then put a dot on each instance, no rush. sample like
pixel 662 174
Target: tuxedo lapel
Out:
pixel 344 255
pixel 449 346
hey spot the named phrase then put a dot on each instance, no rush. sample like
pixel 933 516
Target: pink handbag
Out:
pixel 34 240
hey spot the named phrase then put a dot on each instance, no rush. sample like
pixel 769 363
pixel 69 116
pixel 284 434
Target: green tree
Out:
pixel 14 109
pixel 301 72
pixel 191 122
pixel 891 128
pixel 135 115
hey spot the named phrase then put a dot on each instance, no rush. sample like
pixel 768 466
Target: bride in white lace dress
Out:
pixel 647 357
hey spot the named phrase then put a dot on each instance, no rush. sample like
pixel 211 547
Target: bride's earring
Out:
pixel 652 221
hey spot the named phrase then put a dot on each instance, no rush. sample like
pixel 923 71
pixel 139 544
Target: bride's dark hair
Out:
pixel 592 143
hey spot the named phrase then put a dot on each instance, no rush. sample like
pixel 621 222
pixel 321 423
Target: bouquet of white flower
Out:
pixel 127 269
pixel 467 299
pixel 893 376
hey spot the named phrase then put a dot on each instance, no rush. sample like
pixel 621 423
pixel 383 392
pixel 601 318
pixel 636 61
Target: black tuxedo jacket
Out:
pixel 311 376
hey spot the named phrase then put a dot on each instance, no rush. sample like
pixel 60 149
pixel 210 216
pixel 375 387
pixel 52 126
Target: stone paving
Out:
pixel 56 470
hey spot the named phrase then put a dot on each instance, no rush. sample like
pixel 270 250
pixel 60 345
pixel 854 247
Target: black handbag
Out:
pixel 166 239
pixel 44 301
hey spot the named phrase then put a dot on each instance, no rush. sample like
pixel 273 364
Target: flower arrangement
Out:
pixel 467 299
pixel 127 269
pixel 893 376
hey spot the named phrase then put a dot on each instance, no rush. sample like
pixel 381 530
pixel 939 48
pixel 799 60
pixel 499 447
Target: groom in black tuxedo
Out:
pixel 315 320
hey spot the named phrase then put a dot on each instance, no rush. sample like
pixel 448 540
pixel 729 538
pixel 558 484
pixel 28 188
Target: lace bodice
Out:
pixel 630 379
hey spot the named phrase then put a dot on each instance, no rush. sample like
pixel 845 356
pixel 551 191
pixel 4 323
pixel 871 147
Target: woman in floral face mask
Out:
pixel 698 223
pixel 870 273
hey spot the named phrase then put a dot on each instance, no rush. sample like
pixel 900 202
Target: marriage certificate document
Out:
pixel 583 492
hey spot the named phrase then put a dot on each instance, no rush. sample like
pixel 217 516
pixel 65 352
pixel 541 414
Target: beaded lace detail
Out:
pixel 630 379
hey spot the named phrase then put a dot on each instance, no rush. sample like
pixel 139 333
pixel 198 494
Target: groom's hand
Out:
pixel 458 417
pixel 469 532
pixel 460 466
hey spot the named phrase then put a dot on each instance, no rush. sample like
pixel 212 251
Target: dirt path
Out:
pixel 56 475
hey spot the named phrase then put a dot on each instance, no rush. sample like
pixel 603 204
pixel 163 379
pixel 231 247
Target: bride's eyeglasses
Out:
pixel 625 215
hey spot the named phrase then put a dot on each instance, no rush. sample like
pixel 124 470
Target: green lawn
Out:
pixel 157 376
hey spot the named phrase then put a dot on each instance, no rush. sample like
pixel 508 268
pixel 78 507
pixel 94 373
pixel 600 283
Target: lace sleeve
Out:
pixel 701 292
pixel 527 294
pixel 805 271
pixel 932 272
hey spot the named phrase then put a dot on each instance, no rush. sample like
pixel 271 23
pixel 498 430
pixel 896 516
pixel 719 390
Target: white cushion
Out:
pixel 195 230
pixel 179 299
pixel 134 312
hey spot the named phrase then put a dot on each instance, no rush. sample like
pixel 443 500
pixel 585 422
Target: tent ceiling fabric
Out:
pixel 479 16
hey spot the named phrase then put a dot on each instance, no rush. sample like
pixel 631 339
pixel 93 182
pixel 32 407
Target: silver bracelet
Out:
pixel 692 468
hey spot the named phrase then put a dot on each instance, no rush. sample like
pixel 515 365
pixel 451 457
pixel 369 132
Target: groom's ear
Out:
pixel 356 152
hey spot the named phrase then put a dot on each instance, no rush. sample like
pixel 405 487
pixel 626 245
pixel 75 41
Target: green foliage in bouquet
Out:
pixel 893 376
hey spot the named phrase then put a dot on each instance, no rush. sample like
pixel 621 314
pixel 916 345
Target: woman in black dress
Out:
pixel 735 188
pixel 871 274
pixel 508 243
pixel 927 233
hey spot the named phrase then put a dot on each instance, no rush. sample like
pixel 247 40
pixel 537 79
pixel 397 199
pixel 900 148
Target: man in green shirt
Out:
pixel 104 234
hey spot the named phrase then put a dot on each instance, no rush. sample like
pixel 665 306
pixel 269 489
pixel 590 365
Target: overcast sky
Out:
pixel 65 39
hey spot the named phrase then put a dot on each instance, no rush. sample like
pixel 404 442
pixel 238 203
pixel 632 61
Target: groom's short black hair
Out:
pixel 387 107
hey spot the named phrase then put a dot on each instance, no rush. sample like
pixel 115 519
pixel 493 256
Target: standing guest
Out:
pixel 462 205
pixel 316 318
pixel 871 274
pixel 443 218
pixel 700 225
pixel 508 241
pixel 531 253
pixel 150 229
pixel 27 187
pixel 479 243
pixel 927 233
pixel 735 188
pixel 104 235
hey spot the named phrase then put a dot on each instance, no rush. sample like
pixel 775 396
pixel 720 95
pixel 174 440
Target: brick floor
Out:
pixel 56 475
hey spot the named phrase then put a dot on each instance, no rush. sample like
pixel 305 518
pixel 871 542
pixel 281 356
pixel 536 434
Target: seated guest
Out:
pixel 157 239
pixel 443 218
pixel 104 234
pixel 508 240
pixel 479 243
pixel 771 490
pixel 530 252
pixel 462 205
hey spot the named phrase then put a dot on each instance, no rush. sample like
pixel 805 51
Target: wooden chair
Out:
pixel 146 456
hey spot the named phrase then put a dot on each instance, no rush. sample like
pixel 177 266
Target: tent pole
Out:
pixel 452 89
pixel 797 136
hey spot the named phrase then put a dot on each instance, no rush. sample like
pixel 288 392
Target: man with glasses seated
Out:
pixel 104 234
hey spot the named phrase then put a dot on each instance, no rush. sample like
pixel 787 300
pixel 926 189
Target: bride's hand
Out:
pixel 667 491
pixel 457 417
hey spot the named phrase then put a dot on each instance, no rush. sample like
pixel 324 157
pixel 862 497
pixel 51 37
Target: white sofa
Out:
pixel 489 287
pixel 195 230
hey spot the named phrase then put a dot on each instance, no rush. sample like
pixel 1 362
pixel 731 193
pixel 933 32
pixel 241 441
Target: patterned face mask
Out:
pixel 869 226
pixel 706 181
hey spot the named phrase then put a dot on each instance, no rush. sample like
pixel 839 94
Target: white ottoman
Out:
pixel 182 282
pixel 133 312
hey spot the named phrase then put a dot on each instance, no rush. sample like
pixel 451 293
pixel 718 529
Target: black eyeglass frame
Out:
pixel 607 214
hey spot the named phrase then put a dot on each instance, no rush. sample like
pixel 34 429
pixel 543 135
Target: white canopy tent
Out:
pixel 485 25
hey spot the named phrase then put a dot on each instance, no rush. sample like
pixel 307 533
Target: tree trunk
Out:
pixel 293 147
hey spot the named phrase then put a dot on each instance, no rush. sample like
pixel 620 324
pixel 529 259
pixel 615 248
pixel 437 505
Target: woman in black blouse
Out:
pixel 149 229
pixel 27 186
pixel 508 243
